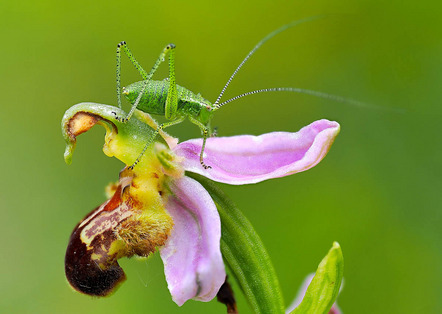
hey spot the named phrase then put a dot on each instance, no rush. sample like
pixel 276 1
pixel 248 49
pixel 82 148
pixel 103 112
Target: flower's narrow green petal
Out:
pixel 324 288
pixel 125 141
pixel 245 255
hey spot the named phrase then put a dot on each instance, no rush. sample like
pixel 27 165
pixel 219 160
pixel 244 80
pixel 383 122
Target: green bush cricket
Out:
pixel 175 103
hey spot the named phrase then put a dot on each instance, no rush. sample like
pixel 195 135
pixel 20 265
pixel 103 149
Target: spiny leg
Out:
pixel 172 95
pixel 161 58
pixel 205 130
pixel 205 135
pixel 154 135
pixel 123 45
pixel 146 76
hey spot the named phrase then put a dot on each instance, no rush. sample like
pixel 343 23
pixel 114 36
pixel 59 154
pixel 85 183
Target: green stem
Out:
pixel 245 255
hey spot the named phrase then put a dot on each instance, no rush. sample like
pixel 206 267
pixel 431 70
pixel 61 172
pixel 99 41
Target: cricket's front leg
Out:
pixel 206 131
pixel 205 135
pixel 123 46
pixel 154 135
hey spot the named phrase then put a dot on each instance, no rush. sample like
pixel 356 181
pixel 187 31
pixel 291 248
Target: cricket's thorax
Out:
pixel 154 98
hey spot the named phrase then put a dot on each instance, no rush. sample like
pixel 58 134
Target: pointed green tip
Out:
pixel 324 287
pixel 68 152
pixel 334 260
pixel 337 249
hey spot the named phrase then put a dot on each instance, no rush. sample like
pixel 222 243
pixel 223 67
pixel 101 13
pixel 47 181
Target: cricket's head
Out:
pixel 132 91
pixel 206 113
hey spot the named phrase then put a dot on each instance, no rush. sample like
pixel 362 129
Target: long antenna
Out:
pixel 313 93
pixel 259 44
pixel 301 91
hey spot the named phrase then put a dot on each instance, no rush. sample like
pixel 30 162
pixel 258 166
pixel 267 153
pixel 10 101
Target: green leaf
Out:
pixel 324 288
pixel 245 255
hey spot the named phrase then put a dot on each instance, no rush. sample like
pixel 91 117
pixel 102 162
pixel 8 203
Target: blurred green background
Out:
pixel 378 192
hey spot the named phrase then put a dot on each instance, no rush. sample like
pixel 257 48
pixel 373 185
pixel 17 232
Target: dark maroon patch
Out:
pixel 225 295
pixel 84 274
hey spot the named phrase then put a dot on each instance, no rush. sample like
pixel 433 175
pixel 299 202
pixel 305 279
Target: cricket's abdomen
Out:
pixel 154 98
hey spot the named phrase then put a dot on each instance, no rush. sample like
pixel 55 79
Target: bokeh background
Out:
pixel 378 192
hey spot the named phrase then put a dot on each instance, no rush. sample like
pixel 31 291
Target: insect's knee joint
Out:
pixel 205 166
pixel 170 46
pixel 119 119
pixel 123 43
pixel 131 167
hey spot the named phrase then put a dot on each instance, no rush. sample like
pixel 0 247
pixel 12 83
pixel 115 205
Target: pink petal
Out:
pixel 192 258
pixel 250 159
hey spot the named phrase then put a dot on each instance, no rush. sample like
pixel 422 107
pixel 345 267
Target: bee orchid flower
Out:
pixel 156 206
